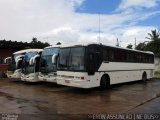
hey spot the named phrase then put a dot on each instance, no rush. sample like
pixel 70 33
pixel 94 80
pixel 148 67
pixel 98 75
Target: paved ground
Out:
pixel 50 101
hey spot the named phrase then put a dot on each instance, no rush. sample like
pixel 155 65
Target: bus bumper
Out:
pixel 47 79
pixel 29 78
pixel 74 83
pixel 16 74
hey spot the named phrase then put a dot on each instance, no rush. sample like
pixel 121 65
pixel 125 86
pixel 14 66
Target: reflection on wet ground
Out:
pixel 50 99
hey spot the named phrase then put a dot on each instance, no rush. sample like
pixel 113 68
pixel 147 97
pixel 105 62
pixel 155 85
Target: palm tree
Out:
pixel 154 44
pixel 154 35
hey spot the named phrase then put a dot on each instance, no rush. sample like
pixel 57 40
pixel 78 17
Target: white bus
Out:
pixel 15 65
pixel 97 65
pixel 30 65
pixel 48 64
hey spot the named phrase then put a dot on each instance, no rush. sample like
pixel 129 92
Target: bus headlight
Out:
pixel 82 78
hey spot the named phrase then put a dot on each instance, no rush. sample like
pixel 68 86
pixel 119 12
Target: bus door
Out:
pixel 94 59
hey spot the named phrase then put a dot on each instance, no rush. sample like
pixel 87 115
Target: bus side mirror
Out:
pixel 54 58
pixel 6 60
pixel 18 63
pixel 18 57
pixel 33 59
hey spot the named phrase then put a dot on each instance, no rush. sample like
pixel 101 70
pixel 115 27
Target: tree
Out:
pixel 39 43
pixel 154 35
pixel 59 43
pixel 153 45
pixel 129 46
pixel 34 40
pixel 141 46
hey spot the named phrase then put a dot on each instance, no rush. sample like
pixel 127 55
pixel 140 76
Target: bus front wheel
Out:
pixel 104 83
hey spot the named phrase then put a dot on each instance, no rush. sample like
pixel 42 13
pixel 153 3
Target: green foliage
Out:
pixel 141 46
pixel 153 45
pixel 157 74
pixel 154 35
pixel 34 40
pixel 39 43
pixel 59 43
pixel 129 46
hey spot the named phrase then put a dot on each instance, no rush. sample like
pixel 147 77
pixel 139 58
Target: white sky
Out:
pixel 56 20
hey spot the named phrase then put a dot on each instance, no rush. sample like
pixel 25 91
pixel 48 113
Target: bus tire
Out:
pixel 104 83
pixel 144 77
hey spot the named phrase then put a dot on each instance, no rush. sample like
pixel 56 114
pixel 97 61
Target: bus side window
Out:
pixel 91 57
pixel 105 55
pixel 19 64
pixel 91 64
pixel 111 55
pixel 98 57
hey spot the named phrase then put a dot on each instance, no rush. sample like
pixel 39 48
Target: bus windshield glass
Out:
pixel 46 64
pixel 12 65
pixel 26 67
pixel 72 59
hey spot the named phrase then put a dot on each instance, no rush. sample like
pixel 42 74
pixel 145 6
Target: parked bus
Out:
pixel 30 65
pixel 97 65
pixel 48 64
pixel 15 64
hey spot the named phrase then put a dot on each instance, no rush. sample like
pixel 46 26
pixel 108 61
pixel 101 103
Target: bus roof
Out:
pixel 76 45
pixel 27 51
pixel 50 47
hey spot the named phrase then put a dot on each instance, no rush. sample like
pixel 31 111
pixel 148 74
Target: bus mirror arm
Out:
pixel 17 62
pixel 54 58
pixel 32 60
pixel 18 57
pixel 5 60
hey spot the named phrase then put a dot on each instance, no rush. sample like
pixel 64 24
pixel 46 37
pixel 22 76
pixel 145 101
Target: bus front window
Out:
pixel 64 57
pixel 46 60
pixel 46 64
pixel 76 61
pixel 72 59
pixel 26 67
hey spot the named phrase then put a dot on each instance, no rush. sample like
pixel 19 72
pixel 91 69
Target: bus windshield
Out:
pixel 72 59
pixel 46 64
pixel 12 65
pixel 26 67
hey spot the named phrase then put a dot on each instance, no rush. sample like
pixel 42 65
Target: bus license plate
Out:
pixel 66 81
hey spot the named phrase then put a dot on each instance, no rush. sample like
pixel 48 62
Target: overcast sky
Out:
pixel 77 21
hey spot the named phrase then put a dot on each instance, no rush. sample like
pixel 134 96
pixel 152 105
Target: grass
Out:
pixel 157 74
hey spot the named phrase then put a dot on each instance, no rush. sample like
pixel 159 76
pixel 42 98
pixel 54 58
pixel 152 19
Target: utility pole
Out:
pixel 135 43
pixel 117 44
pixel 99 26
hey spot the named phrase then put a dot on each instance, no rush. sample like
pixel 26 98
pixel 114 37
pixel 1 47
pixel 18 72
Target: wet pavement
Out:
pixel 41 101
